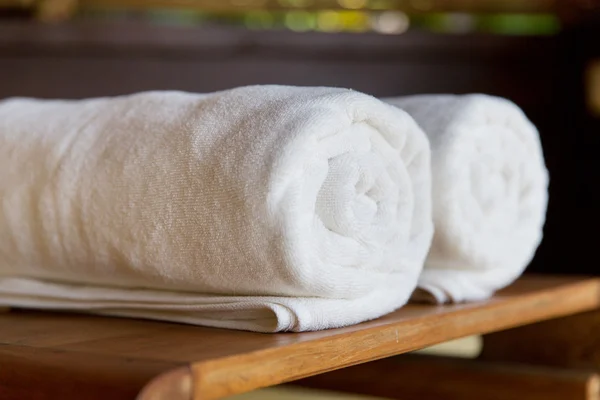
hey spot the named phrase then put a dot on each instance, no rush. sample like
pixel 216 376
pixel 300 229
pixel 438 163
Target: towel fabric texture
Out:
pixel 265 208
pixel 490 193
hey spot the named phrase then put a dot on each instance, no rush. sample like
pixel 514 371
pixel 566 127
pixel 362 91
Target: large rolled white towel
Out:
pixel 490 192
pixel 265 208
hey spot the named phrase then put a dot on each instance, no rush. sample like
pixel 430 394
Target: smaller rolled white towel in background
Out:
pixel 490 193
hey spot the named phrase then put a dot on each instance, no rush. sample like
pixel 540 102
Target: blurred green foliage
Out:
pixel 350 20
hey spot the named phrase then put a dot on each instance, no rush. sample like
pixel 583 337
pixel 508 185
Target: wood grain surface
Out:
pixel 32 373
pixel 123 353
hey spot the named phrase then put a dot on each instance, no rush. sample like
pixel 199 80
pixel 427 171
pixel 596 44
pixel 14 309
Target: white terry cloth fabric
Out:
pixel 266 208
pixel 490 192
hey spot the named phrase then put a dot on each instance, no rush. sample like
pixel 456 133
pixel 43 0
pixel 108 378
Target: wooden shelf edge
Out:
pixel 218 378
pixel 176 384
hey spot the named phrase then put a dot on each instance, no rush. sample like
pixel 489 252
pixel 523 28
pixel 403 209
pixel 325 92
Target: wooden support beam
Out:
pixel 572 342
pixel 412 377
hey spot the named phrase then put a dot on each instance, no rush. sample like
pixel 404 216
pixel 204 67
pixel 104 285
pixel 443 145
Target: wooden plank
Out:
pixel 529 300
pixel 48 374
pixel 60 329
pixel 410 377
pixel 572 342
pixel 227 362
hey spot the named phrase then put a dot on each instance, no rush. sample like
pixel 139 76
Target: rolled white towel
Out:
pixel 490 192
pixel 265 208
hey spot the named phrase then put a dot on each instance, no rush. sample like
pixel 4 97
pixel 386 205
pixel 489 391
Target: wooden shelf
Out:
pixel 410 377
pixel 57 356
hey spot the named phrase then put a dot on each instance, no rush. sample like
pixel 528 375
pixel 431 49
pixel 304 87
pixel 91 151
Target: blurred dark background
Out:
pixel 542 54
